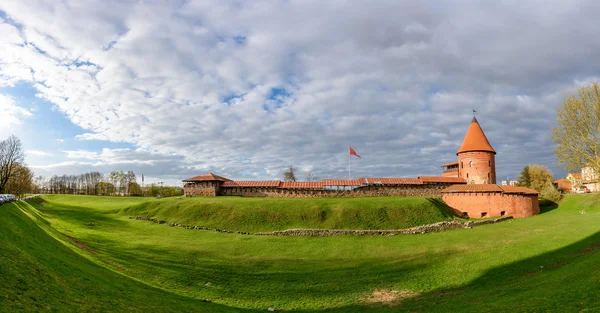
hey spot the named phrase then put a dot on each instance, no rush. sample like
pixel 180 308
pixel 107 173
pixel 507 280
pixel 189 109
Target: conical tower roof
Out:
pixel 475 139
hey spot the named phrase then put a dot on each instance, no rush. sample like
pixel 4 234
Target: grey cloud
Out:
pixel 397 79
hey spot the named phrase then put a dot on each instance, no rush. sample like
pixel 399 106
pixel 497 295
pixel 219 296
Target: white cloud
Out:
pixel 12 114
pixel 38 153
pixel 191 80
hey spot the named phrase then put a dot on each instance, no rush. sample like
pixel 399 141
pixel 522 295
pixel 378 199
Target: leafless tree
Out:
pixel 310 176
pixel 11 156
pixel 290 174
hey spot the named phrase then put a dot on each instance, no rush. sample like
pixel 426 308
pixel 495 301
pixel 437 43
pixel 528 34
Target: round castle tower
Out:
pixel 476 157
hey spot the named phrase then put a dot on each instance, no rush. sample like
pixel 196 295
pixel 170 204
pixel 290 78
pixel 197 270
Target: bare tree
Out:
pixel 310 177
pixel 290 174
pixel 11 156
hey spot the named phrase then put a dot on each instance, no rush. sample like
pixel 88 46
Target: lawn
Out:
pixel 542 263
pixel 260 214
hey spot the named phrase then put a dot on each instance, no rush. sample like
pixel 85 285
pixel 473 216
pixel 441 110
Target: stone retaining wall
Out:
pixel 436 227
pixel 424 190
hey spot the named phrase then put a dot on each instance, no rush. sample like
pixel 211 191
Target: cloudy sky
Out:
pixel 174 89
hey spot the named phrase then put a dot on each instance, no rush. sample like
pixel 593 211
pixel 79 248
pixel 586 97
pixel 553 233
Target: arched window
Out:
pixel 467 175
pixel 471 164
pixel 461 164
pixel 490 163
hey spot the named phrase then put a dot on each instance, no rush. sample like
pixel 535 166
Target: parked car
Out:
pixel 7 198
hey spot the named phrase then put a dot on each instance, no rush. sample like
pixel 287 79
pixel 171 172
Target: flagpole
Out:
pixel 349 163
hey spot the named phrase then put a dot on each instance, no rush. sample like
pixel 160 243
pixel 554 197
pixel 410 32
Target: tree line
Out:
pixel 95 183
pixel 16 178
pixel 92 183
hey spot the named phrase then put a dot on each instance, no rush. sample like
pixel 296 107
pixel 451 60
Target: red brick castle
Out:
pixel 481 196
pixel 468 186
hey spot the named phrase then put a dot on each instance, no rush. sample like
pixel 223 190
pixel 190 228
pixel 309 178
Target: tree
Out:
pixel 524 180
pixel 577 135
pixel 290 174
pixel 11 156
pixel 130 178
pixel 113 178
pixel 540 178
pixel 134 189
pixel 105 188
pixel 310 177
pixel 20 182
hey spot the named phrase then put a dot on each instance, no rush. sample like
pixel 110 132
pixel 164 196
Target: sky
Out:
pixel 243 89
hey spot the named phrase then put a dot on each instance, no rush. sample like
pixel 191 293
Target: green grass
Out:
pixel 258 214
pixel 526 265
pixel 43 271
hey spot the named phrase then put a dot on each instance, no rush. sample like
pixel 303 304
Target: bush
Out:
pixel 550 193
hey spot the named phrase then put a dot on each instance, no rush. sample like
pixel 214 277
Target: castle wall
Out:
pixel 450 174
pixel 493 204
pixel 206 189
pixel 425 190
pixel 483 169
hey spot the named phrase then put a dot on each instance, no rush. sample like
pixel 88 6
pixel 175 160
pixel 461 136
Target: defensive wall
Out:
pixel 490 200
pixel 467 185
pixel 213 185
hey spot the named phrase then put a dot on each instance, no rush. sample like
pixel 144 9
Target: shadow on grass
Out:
pixel 442 207
pixel 547 206
pixel 75 214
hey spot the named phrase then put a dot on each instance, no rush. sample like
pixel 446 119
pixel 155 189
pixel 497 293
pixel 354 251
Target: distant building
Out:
pixel 509 183
pixel 575 180
pixel 590 179
pixel 563 185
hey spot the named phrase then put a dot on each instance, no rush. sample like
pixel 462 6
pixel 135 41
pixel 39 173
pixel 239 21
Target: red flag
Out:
pixel 352 152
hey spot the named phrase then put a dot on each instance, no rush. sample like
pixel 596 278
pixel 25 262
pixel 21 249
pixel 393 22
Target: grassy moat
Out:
pixel 76 253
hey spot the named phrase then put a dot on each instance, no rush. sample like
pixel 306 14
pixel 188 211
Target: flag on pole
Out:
pixel 352 152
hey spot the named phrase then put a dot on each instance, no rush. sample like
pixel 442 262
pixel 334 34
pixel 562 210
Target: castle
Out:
pixel 468 185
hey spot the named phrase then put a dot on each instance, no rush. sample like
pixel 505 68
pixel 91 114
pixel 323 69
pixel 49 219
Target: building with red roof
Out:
pixel 467 185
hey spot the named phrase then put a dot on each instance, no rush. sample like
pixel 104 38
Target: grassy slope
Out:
pixel 491 268
pixel 256 214
pixel 40 273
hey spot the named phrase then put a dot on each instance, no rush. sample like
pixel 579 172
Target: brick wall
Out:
pixel 206 189
pixel 492 204
pixel 483 169
pixel 425 190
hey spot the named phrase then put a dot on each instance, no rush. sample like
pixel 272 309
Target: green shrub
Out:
pixel 550 193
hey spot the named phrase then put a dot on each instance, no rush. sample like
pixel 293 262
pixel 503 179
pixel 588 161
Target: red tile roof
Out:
pixel 207 177
pixel 343 182
pixel 451 163
pixel 473 188
pixel 475 139
pixel 252 183
pixel 521 190
pixel 441 179
pixel 575 175
pixel 394 181
pixel 301 185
